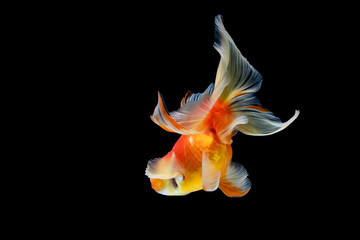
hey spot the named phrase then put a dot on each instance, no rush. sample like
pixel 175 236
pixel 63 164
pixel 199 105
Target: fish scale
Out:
pixel 189 153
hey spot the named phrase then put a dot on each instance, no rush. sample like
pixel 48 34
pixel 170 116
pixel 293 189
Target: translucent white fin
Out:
pixel 243 81
pixel 210 174
pixel 262 123
pixel 188 119
pixel 227 132
pixel 235 183
pixel 162 118
pixel 233 68
pixel 164 168
pixel 196 107
pixel 194 97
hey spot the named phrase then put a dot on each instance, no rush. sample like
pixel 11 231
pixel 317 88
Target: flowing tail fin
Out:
pixel 241 81
pixel 231 101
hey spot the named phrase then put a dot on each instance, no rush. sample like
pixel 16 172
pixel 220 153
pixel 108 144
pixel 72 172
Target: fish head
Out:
pixel 167 175
pixel 169 187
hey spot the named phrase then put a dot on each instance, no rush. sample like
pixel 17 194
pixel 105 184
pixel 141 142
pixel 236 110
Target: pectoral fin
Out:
pixel 164 168
pixel 210 174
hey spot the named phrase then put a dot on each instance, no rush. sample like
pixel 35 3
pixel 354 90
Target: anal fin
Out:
pixel 235 183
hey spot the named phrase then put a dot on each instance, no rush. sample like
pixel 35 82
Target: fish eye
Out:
pixel 180 178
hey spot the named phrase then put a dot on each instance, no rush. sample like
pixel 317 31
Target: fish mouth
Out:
pixel 162 184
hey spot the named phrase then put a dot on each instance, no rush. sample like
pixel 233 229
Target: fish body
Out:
pixel 201 158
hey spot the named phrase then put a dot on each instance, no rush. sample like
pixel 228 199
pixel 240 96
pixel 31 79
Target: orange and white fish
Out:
pixel 201 158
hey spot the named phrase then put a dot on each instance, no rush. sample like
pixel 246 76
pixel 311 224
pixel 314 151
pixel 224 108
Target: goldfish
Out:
pixel 201 159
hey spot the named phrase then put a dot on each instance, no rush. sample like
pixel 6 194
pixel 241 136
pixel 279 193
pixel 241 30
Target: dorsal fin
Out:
pixel 187 95
pixel 189 118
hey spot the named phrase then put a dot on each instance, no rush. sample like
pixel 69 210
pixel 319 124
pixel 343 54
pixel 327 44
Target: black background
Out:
pixel 118 57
